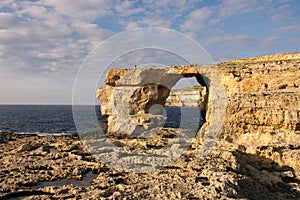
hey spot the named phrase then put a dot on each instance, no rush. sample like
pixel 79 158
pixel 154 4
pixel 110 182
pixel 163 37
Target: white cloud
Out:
pixel 34 11
pixel 81 10
pixel 92 32
pixel 155 22
pixel 47 40
pixel 133 14
pixel 23 36
pixel 130 25
pixel 146 22
pixel 40 41
pixel 5 3
pixel 197 19
pixel 289 28
pixel 235 7
pixel 168 6
pixel 127 8
pixel 281 12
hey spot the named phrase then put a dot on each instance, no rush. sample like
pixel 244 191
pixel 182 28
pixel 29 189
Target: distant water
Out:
pixel 58 119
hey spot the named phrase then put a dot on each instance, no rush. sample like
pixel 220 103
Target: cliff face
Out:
pixel 263 97
pixel 263 106
pixel 262 101
pixel 187 97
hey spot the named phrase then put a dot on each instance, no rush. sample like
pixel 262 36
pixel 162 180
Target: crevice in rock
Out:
pixel 25 193
pixel 86 179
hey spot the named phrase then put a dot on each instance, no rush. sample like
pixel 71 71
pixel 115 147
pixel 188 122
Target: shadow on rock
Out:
pixel 262 178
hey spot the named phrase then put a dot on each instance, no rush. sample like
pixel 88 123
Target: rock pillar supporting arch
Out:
pixel 130 94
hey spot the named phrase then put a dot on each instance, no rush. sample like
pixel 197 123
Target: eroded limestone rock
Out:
pixel 193 96
pixel 226 172
pixel 259 115
pixel 262 99
pixel 257 156
pixel 134 101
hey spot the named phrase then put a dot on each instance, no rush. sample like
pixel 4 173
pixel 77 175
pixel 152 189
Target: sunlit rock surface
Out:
pixel 262 99
pixel 133 100
pixel 192 96
pixel 256 155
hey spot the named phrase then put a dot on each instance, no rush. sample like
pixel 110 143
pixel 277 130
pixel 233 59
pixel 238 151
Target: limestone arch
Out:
pixel 137 120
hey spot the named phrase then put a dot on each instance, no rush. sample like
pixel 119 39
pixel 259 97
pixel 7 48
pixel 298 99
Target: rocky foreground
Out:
pixel 256 154
pixel 59 167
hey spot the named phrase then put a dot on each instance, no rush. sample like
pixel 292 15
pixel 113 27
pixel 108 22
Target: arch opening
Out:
pixel 186 105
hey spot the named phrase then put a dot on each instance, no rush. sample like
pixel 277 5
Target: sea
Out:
pixel 59 119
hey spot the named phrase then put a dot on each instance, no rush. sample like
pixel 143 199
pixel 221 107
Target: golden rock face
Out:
pixel 256 74
pixel 261 91
pixel 263 105
pixel 262 95
pixel 263 98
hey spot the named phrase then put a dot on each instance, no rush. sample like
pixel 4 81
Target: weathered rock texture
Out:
pixel 193 96
pixel 133 100
pixel 256 156
pixel 262 96
pixel 263 99
pixel 60 167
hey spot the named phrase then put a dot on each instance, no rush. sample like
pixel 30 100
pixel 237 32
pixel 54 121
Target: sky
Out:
pixel 43 43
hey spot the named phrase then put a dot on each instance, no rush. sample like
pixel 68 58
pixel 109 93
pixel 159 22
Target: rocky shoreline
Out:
pixel 255 156
pixel 31 165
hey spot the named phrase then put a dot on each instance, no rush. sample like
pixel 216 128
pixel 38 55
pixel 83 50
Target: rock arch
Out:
pixel 129 95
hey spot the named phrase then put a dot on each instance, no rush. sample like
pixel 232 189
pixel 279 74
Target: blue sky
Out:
pixel 44 42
